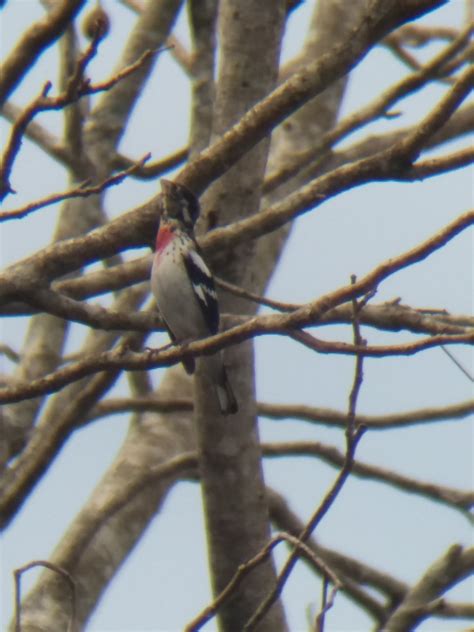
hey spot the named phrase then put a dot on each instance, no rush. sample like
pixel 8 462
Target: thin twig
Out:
pixel 244 569
pixel 311 525
pixel 18 572
pixel 460 366
pixel 76 88
pixel 9 353
pixel 320 618
pixel 354 433
pixel 152 169
pixel 83 190
pixel 33 42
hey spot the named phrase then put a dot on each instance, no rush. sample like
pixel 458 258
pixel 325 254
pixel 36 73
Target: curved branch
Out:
pixel 454 498
pixel 276 323
pixel 299 412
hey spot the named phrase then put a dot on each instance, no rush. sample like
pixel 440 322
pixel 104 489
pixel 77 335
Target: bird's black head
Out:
pixel 180 203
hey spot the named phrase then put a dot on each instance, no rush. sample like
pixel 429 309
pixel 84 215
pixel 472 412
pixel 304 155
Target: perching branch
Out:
pixel 306 315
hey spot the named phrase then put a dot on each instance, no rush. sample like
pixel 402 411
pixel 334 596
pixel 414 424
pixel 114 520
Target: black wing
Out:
pixel 204 288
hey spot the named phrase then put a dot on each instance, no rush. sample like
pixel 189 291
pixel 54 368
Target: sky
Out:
pixel 349 234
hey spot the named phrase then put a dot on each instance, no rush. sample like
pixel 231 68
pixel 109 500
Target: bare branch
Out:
pixel 244 569
pixel 177 49
pixel 451 568
pixel 323 416
pixel 461 123
pixel 354 433
pixel 39 135
pixel 332 418
pixel 410 147
pixel 152 169
pixel 304 316
pixel 94 315
pixel 417 35
pixel 438 166
pixel 83 190
pixel 76 88
pixel 33 42
pixel 379 107
pixel 378 351
pixel 134 361
pixel 454 498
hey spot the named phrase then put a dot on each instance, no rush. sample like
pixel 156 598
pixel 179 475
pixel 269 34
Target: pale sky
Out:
pixel 164 584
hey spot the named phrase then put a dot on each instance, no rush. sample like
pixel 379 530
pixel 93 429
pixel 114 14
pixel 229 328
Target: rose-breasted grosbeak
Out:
pixel 183 285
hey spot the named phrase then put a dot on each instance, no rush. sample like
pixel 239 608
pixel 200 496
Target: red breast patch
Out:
pixel 165 235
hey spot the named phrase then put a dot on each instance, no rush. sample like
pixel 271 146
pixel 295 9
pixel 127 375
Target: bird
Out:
pixel 184 287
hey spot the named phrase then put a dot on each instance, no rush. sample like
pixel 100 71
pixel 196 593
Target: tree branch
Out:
pixel 323 416
pixel 127 230
pixel 420 601
pixel 76 88
pixel 83 190
pixel 377 108
pixel 454 498
pixel 309 314
pixel 56 569
pixel 33 42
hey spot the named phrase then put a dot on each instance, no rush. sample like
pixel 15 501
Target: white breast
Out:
pixel 174 295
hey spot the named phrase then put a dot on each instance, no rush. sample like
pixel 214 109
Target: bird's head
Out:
pixel 179 204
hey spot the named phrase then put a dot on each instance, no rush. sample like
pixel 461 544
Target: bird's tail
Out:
pixel 225 394
pixel 217 375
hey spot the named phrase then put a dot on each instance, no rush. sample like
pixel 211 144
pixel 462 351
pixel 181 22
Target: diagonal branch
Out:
pixel 306 315
pixel 377 108
pixel 244 569
pixel 456 564
pixel 129 230
pixel 383 16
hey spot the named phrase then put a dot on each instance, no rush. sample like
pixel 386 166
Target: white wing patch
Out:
pixel 203 287
pixel 198 262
